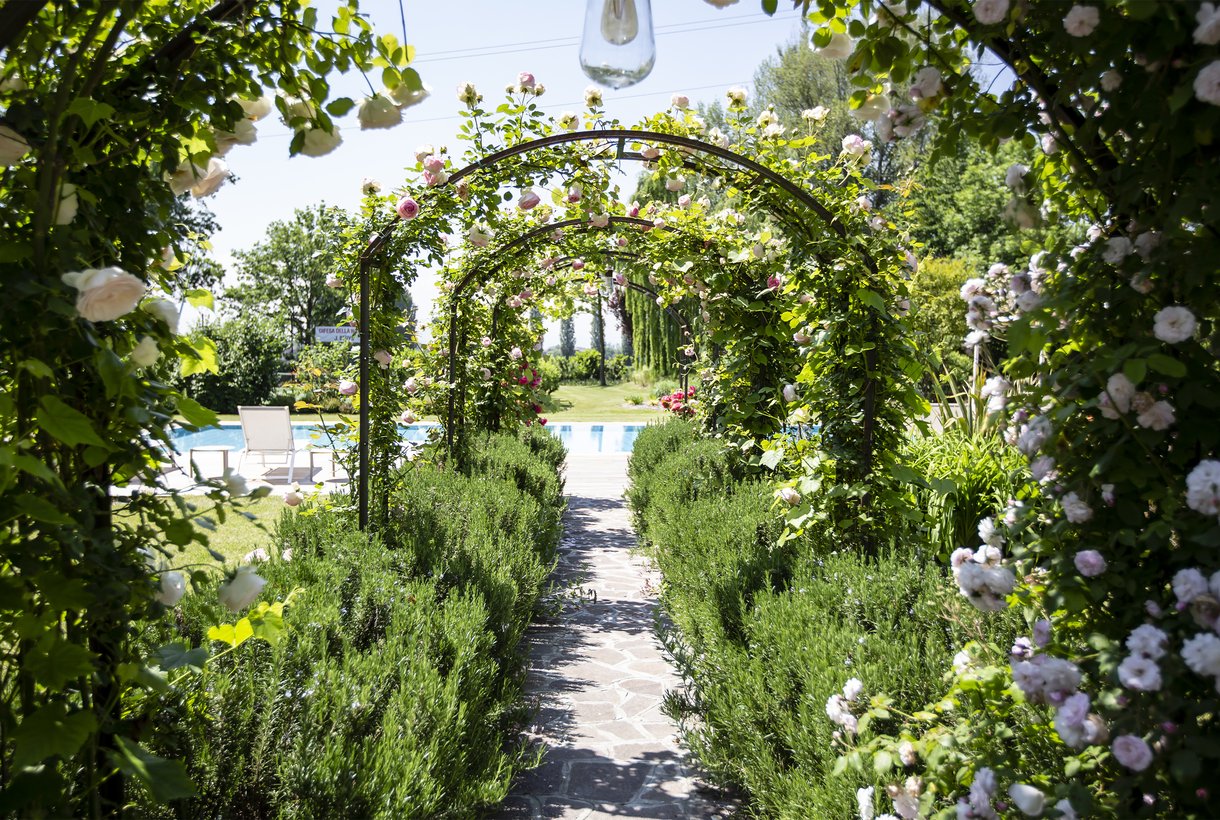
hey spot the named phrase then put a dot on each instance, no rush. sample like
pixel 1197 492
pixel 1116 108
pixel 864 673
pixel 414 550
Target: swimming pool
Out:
pixel 578 437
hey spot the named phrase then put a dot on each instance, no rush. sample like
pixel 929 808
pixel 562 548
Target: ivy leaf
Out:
pixel 165 779
pixel 267 622
pixel 871 298
pixel 72 427
pixel 54 661
pixel 51 732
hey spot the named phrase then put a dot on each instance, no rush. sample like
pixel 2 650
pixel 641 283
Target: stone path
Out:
pixel 599 676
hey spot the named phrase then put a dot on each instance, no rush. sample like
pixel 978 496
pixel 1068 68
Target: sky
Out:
pixel 701 51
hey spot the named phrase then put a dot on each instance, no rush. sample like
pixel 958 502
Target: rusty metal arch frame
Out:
pixel 619 137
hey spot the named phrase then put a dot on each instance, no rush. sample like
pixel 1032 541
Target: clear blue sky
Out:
pixel 701 51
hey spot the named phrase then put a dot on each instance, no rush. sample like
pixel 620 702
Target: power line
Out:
pixel 550 105
pixel 677 28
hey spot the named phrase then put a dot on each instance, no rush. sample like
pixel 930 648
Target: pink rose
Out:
pixel 515 353
pixel 526 80
pixel 334 281
pixel 434 163
pixel 528 200
pixel 1132 752
pixel 621 241
pixel 650 153
pixel 383 357
pixel 578 264
pixel 432 179
pixel 634 210
pixel 684 201
pixel 574 193
pixel 407 208
pixel 348 388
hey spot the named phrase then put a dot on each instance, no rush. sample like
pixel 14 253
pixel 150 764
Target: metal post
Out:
pixel 363 444
pixel 601 337
pixel 449 419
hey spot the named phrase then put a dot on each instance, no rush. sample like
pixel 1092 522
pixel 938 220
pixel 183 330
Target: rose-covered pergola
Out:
pixel 818 235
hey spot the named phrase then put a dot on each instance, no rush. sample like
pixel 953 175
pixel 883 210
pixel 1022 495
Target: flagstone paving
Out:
pixel 598 675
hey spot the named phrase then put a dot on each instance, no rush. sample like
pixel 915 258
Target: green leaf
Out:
pixel 36 468
pixel 267 622
pixel 204 359
pixel 1167 365
pixel 201 297
pixel 772 458
pixel 54 661
pixel 232 634
pixel 165 779
pixel 769 6
pixel 1135 370
pixel 871 298
pixel 196 414
pixel 90 111
pixel 39 509
pixel 72 427
pixel 882 762
pixel 38 367
pixel 149 678
pixel 51 732
pixel 177 656
pixel 410 77
pixel 340 106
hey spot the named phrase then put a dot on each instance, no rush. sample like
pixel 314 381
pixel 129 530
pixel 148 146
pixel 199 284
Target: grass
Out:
pixel 592 402
pixel 237 535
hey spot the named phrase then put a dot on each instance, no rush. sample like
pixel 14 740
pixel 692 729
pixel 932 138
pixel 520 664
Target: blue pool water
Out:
pixel 578 437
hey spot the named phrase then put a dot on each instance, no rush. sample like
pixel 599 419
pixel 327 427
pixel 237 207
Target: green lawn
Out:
pixel 591 402
pixel 237 535
pixel 574 402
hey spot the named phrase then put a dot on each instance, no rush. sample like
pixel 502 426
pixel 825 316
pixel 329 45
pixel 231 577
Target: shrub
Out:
pixel 764 630
pixel 969 477
pixel 396 689
pixel 549 369
pixel 249 357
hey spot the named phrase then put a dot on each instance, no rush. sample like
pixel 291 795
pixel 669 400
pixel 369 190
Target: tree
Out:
pixel 284 277
pixel 249 355
pixel 567 337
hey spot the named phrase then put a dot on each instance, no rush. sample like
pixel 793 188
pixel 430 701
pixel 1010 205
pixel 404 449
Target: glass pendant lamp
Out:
pixel 618 48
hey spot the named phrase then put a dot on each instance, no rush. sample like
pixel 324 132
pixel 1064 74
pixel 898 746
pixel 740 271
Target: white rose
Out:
pixel 165 310
pixel 1015 177
pixel 593 96
pixel 990 12
pixel 243 133
pixel 926 83
pixel 1207 83
pixel 874 106
pixel 1028 799
pixel 1111 80
pixel 1117 249
pixel 789 393
pixel 235 483
pixel 790 496
pixel 242 589
pixel 65 210
pixel 840 47
pixel 1174 324
pixel 292 498
pixel 319 142
pixel 1081 20
pixel 172 588
pixel 13 147
pixel 679 101
pixel 405 97
pixel 215 176
pixel 183 177
pixel 146 353
pixel 105 294
pixel 378 111
pixel 1207 33
pixel 257 109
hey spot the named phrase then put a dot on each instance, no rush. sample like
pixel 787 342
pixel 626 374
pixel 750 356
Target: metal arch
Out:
pixel 622 136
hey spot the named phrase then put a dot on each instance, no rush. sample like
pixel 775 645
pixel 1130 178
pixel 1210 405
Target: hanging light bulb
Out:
pixel 607 287
pixel 618 48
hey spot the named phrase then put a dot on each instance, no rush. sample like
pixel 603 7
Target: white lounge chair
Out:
pixel 268 431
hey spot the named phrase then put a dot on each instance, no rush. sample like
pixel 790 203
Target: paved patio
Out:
pixel 598 675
